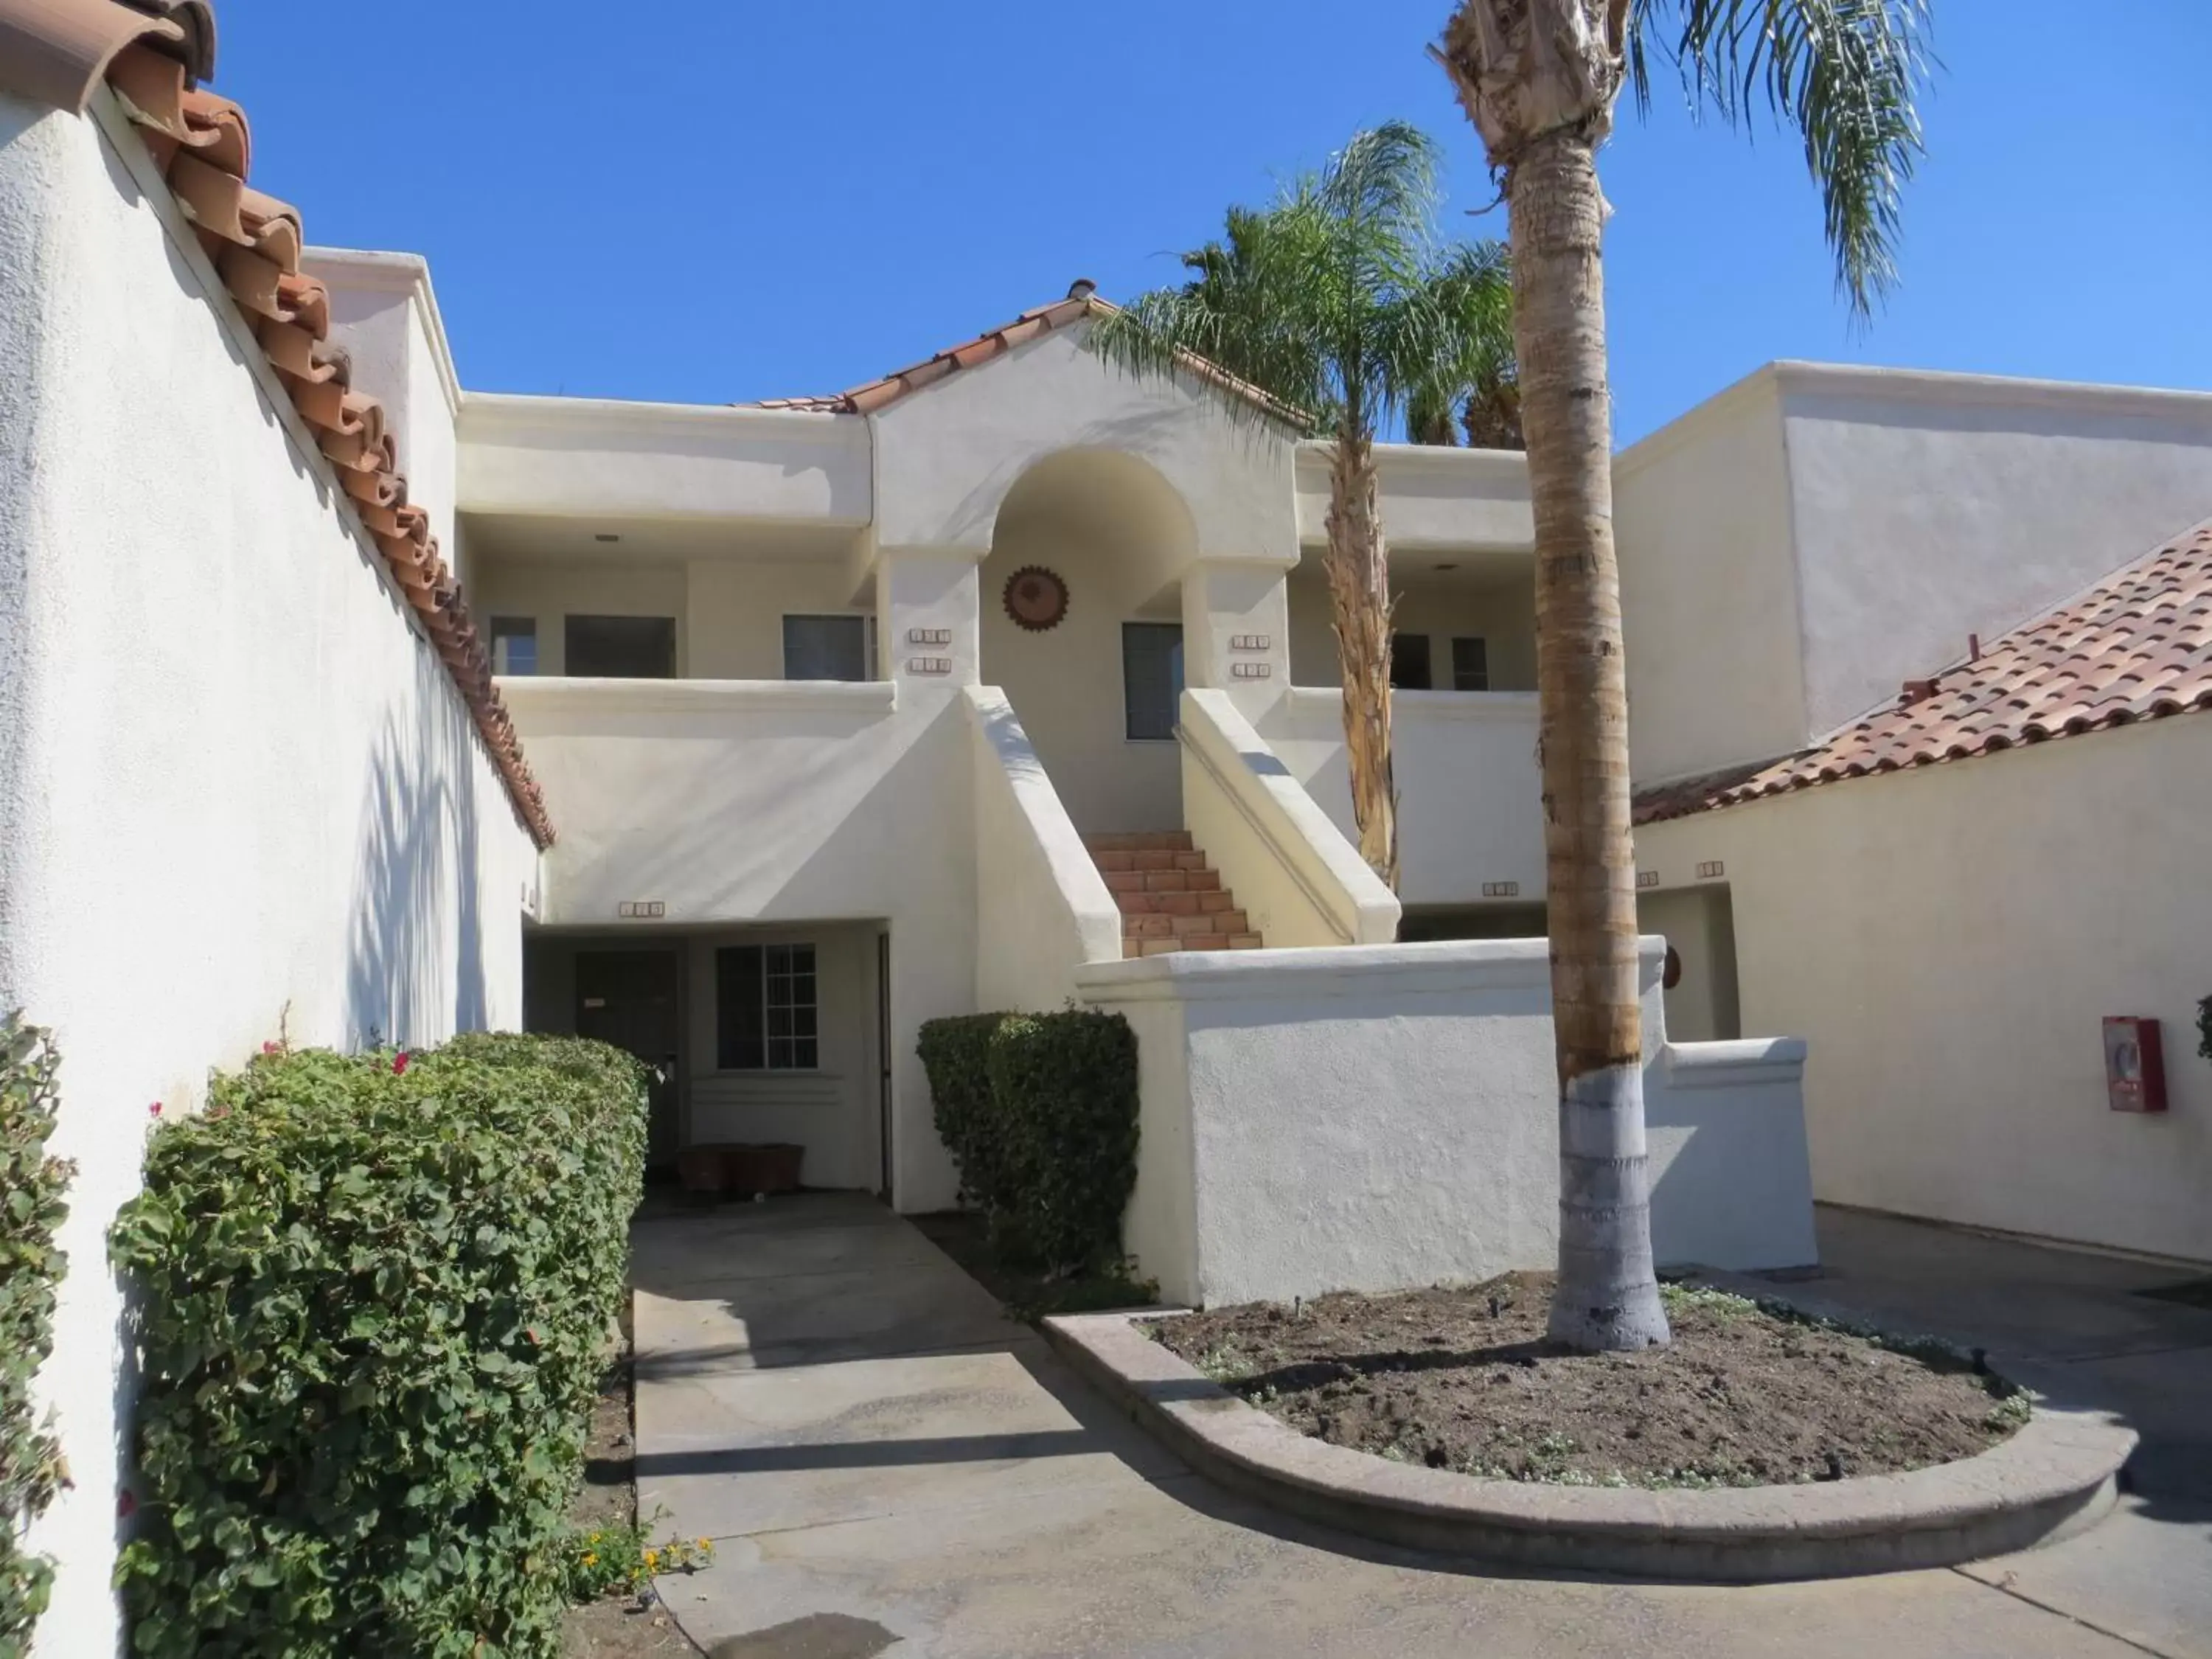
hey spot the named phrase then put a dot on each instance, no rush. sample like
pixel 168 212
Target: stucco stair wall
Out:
pixel 1171 898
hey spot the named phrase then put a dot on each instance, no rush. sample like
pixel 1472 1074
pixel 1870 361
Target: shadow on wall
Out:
pixel 420 841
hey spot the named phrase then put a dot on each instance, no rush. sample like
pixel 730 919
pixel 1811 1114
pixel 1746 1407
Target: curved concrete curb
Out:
pixel 2055 1476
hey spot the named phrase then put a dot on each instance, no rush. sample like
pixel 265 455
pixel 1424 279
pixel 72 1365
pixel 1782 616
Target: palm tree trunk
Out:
pixel 1359 594
pixel 1608 1295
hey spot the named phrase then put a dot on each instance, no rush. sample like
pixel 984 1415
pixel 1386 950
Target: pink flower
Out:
pixel 271 1048
pixel 153 1110
pixel 126 1503
pixel 400 1064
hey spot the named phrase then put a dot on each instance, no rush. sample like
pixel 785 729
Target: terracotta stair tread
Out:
pixel 1169 897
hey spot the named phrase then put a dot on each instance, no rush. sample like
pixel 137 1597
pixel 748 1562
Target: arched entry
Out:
pixel 1093 680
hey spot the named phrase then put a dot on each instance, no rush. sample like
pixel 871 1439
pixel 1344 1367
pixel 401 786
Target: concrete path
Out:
pixel 889 1467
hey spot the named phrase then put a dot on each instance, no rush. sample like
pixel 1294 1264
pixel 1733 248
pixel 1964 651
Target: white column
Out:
pixel 1236 630
pixel 926 619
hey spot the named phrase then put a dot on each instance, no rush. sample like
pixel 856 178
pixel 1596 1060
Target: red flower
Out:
pixel 271 1048
pixel 153 1110
pixel 400 1064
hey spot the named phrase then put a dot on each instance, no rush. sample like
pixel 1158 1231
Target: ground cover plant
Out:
pixel 1749 1394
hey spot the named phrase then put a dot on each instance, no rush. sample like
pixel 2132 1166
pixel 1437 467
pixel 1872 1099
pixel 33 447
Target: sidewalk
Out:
pixel 889 1466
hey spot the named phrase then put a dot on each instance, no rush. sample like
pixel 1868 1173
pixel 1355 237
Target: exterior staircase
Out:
pixel 1169 899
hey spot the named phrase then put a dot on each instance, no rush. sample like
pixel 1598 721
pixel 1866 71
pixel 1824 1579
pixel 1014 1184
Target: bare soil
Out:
pixel 618 1627
pixel 1747 1394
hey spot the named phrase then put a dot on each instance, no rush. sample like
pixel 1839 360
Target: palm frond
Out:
pixel 1846 74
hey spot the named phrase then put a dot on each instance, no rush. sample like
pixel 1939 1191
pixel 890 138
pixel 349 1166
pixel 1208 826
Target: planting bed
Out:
pixel 1463 1379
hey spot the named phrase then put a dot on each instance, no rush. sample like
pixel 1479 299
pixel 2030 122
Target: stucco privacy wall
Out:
pixel 239 795
pixel 2041 888
pixel 730 802
pixel 1041 908
pixel 1379 1117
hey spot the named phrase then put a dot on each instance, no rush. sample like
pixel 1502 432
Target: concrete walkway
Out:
pixel 889 1466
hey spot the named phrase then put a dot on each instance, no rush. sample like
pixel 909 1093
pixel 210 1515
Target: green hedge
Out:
pixel 376 1291
pixel 31 1467
pixel 1039 1111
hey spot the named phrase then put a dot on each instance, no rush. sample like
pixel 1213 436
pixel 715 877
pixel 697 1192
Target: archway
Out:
pixel 1093 680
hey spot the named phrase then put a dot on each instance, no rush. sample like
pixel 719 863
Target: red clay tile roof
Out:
pixel 151 53
pixel 2137 647
pixel 1082 302
pixel 58 50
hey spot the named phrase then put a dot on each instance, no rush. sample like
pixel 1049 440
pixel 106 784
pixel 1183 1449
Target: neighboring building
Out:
pixel 1002 681
pixel 1947 896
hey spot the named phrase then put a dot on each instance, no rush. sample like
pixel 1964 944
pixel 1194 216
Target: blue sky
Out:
pixel 710 200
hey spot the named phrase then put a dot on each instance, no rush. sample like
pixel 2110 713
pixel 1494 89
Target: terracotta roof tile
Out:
pixel 1082 302
pixel 2136 646
pixel 151 53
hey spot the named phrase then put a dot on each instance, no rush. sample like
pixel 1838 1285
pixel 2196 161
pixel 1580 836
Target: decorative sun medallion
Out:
pixel 1035 598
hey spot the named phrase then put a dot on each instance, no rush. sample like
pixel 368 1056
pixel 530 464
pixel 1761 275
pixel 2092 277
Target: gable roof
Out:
pixel 1082 303
pixel 2136 646
pixel 152 53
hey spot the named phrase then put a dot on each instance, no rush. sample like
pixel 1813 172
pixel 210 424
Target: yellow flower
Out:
pixel 590 1560
pixel 703 1543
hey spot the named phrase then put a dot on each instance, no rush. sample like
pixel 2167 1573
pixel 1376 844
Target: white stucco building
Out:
pixel 342 701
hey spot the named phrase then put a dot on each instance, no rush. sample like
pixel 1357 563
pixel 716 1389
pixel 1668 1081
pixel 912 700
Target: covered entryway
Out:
pixel 765 1034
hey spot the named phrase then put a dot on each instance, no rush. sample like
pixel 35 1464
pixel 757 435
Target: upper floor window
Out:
pixel 766 1017
pixel 1409 662
pixel 827 647
pixel 620 647
pixel 1151 678
pixel 514 645
pixel 1470 665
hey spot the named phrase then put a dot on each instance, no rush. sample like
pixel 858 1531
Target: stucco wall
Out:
pixel 1382 1117
pixel 239 795
pixel 1708 589
pixel 1469 792
pixel 1948 939
pixel 1041 908
pixel 1928 506
pixel 1431 497
pixel 947 457
pixel 733 801
pixel 1697 922
pixel 733 624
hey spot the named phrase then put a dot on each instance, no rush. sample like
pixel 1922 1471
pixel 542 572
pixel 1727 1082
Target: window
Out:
pixel 1409 662
pixel 1151 678
pixel 826 648
pixel 1470 665
pixel 514 645
pixel 765 1015
pixel 622 647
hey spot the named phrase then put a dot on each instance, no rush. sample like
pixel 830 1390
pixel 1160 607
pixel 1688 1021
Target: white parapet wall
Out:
pixel 1297 877
pixel 1381 1117
pixel 1041 908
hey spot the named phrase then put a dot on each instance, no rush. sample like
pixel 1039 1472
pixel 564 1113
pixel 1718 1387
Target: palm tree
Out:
pixel 1337 301
pixel 1539 79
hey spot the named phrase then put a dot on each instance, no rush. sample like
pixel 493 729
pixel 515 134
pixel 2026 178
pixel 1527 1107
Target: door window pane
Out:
pixel 826 648
pixel 1470 665
pixel 620 647
pixel 514 645
pixel 1151 678
pixel 765 1014
pixel 1409 662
